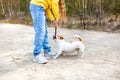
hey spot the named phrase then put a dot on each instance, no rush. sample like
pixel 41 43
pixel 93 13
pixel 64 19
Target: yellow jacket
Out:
pixel 49 5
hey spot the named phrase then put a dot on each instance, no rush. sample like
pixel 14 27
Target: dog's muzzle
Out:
pixel 54 37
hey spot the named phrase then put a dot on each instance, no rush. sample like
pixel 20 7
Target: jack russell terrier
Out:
pixel 64 46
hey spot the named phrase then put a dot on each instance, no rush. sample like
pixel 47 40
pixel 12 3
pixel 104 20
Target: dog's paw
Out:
pixel 57 55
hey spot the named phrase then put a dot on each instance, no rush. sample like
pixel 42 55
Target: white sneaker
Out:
pixel 50 55
pixel 40 59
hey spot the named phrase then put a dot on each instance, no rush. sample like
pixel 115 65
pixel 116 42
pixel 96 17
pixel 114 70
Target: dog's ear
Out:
pixel 80 39
pixel 61 38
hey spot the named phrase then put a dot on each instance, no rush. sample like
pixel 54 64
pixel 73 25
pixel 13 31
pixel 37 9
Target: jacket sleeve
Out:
pixel 49 14
pixel 53 13
pixel 55 9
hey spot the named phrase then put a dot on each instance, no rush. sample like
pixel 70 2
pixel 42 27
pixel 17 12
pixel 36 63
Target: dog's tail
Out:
pixel 77 36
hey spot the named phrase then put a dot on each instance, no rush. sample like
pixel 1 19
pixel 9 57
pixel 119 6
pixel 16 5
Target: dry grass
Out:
pixel 72 23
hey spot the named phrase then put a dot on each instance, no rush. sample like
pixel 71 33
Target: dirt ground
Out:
pixel 101 61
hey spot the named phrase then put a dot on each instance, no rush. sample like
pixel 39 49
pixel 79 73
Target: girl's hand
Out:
pixel 55 23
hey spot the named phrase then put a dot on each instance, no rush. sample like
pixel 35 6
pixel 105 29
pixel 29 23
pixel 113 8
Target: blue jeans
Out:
pixel 40 28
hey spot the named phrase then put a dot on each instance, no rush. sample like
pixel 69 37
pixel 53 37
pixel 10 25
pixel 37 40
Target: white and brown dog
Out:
pixel 64 46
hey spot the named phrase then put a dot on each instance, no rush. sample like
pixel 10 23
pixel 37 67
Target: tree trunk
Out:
pixel 116 16
pixel 3 10
pixel 27 7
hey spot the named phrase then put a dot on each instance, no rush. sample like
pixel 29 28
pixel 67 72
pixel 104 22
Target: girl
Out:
pixel 55 10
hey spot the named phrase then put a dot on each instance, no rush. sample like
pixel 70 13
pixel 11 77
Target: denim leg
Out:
pixel 38 16
pixel 46 46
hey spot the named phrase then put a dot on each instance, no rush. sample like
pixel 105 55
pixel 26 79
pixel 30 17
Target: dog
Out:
pixel 64 46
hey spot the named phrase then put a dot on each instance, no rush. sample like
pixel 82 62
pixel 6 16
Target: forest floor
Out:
pixel 101 61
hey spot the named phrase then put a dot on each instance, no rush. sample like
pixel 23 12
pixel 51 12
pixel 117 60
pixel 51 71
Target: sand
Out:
pixel 101 61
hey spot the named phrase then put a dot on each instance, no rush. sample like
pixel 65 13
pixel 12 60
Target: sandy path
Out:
pixel 101 61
